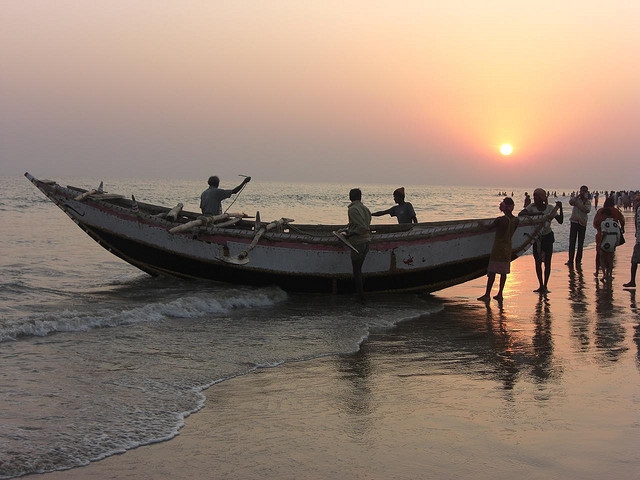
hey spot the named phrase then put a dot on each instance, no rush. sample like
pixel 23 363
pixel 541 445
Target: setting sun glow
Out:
pixel 506 149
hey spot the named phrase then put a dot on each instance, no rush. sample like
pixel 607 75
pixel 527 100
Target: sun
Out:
pixel 506 149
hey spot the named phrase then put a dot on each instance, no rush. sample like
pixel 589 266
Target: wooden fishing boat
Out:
pixel 296 257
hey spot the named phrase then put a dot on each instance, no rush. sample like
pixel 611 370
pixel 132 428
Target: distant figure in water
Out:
pixel 500 259
pixel 403 211
pixel 211 198
pixel 543 246
pixel 527 200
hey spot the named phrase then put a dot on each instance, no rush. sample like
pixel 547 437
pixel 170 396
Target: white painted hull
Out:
pixel 305 258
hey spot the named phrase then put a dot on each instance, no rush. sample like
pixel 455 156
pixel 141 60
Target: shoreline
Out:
pixel 317 419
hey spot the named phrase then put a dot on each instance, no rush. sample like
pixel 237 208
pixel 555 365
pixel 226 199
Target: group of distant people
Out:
pixel 609 223
pixel 358 231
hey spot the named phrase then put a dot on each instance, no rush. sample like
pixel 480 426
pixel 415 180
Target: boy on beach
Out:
pixel 635 257
pixel 500 259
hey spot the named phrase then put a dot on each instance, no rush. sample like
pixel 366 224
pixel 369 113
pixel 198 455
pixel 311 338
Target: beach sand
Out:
pixel 542 387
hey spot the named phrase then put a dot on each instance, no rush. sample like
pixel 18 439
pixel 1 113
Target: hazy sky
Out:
pixel 411 92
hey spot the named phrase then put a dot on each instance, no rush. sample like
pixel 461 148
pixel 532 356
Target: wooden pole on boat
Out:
pixel 187 226
pixel 93 191
pixel 243 257
pixel 204 220
pixel 175 212
pixel 84 195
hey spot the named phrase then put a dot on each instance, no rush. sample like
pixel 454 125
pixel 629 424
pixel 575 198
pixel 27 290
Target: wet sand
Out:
pixel 539 386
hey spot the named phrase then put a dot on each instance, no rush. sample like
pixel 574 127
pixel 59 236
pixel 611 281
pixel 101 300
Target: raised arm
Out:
pixel 244 182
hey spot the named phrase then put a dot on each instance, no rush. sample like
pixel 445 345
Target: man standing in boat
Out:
pixel 403 211
pixel 211 198
pixel 359 234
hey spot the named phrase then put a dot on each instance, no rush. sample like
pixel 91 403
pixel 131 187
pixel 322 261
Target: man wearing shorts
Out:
pixel 543 247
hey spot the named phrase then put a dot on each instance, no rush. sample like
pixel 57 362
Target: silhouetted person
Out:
pixel 359 234
pixel 500 259
pixel 211 198
pixel 605 254
pixel 579 217
pixel 543 246
pixel 403 211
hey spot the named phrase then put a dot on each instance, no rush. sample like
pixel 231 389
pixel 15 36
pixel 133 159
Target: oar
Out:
pixel 344 240
pixel 243 257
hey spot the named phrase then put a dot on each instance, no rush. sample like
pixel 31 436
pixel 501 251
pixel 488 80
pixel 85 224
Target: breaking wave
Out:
pixel 189 306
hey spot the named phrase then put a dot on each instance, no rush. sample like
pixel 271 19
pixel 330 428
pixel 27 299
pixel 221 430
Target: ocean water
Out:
pixel 97 357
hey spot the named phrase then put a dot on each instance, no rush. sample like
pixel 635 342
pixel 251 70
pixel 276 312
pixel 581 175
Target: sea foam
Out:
pixel 186 307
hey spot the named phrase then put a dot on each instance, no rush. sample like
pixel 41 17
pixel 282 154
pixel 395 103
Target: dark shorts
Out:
pixel 544 246
pixel 635 258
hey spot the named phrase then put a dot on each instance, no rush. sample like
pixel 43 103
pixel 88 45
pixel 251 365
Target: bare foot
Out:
pixel 497 297
pixel 484 297
pixel 630 285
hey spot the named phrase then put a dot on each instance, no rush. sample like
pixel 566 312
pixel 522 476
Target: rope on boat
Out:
pixel 236 197
pixel 536 233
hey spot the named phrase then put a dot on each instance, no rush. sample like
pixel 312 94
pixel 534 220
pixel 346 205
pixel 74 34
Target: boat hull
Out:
pixel 425 257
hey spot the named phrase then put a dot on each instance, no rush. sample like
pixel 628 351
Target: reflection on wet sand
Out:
pixel 477 341
pixel 609 330
pixel 502 346
pixel 635 312
pixel 543 367
pixel 580 320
